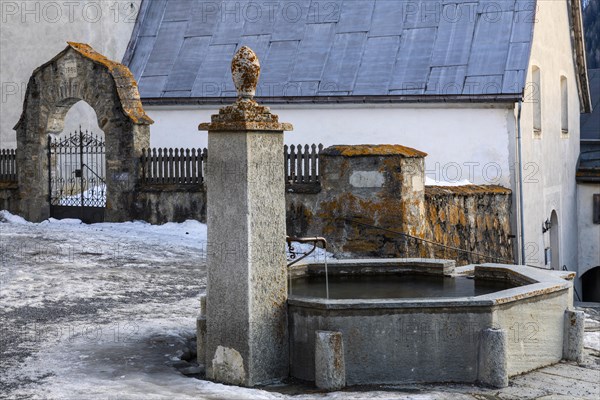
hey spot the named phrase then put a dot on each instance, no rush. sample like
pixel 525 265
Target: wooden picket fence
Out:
pixel 164 166
pixel 302 163
pixel 8 165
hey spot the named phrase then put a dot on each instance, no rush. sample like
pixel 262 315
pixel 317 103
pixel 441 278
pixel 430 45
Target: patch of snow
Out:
pixel 319 255
pixel 98 193
pixel 591 340
pixel 592 324
pixel 434 182
pixel 66 221
pixel 7 217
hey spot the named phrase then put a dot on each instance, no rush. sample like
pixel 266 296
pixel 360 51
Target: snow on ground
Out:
pixel 591 340
pixel 97 193
pixel 434 182
pixel 98 312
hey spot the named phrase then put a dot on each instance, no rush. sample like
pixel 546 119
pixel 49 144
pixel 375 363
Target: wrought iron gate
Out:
pixel 76 176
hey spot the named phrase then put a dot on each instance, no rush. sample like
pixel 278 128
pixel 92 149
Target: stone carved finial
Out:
pixel 245 69
pixel 245 114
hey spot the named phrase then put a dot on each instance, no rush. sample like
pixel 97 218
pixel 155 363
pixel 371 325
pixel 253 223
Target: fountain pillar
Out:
pixel 246 305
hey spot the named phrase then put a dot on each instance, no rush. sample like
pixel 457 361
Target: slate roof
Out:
pixel 182 49
pixel 590 123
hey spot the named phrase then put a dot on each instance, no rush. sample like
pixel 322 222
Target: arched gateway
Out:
pixel 80 73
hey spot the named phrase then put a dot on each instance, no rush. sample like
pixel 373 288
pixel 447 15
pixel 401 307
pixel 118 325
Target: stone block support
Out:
pixel 330 367
pixel 201 340
pixel 246 305
pixel 493 348
pixel 573 335
pixel 203 305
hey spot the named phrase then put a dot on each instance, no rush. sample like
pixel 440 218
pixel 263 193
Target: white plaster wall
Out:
pixel 589 233
pixel 33 32
pixel 462 143
pixel 550 162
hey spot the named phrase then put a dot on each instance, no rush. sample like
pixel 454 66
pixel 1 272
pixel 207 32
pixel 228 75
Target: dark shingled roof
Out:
pixel 590 123
pixel 324 49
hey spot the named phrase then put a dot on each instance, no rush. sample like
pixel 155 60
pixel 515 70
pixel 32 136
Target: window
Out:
pixel 536 99
pixel 564 106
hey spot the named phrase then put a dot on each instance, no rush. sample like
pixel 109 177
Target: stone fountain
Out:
pixel 251 332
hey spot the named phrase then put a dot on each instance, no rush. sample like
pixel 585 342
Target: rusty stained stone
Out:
pixel 245 71
pixel 245 114
pixel 465 190
pixel 388 212
pixel 125 83
pixel 473 218
pixel 373 150
pixel 442 215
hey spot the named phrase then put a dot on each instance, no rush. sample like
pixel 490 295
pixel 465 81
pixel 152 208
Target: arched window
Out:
pixel 536 99
pixel 564 106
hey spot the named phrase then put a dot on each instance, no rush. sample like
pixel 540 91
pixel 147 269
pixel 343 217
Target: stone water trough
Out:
pixel 384 321
pixel 481 323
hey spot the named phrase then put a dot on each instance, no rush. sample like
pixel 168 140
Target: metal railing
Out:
pixel 8 165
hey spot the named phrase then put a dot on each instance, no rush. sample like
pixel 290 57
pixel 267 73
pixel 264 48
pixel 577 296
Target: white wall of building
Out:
pixel 33 32
pixel 589 233
pixel 550 161
pixel 472 143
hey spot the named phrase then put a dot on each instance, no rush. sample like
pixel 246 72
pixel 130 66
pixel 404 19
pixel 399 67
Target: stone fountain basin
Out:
pixel 391 341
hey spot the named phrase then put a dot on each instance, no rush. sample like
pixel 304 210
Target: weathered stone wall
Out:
pixel 9 197
pixel 172 203
pixel 371 195
pixel 473 218
pixel 368 198
pixel 372 185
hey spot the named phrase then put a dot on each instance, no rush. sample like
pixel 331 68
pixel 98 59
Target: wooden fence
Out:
pixel 173 166
pixel 162 166
pixel 302 163
pixel 188 166
pixel 8 165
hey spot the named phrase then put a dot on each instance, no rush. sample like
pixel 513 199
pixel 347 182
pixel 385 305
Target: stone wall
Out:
pixel 373 203
pixel 372 185
pixel 473 218
pixel 170 203
pixel 9 197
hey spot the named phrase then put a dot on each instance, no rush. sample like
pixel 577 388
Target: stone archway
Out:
pixel 80 73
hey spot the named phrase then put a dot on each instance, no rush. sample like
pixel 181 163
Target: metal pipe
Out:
pixel 313 240
pixel 520 163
